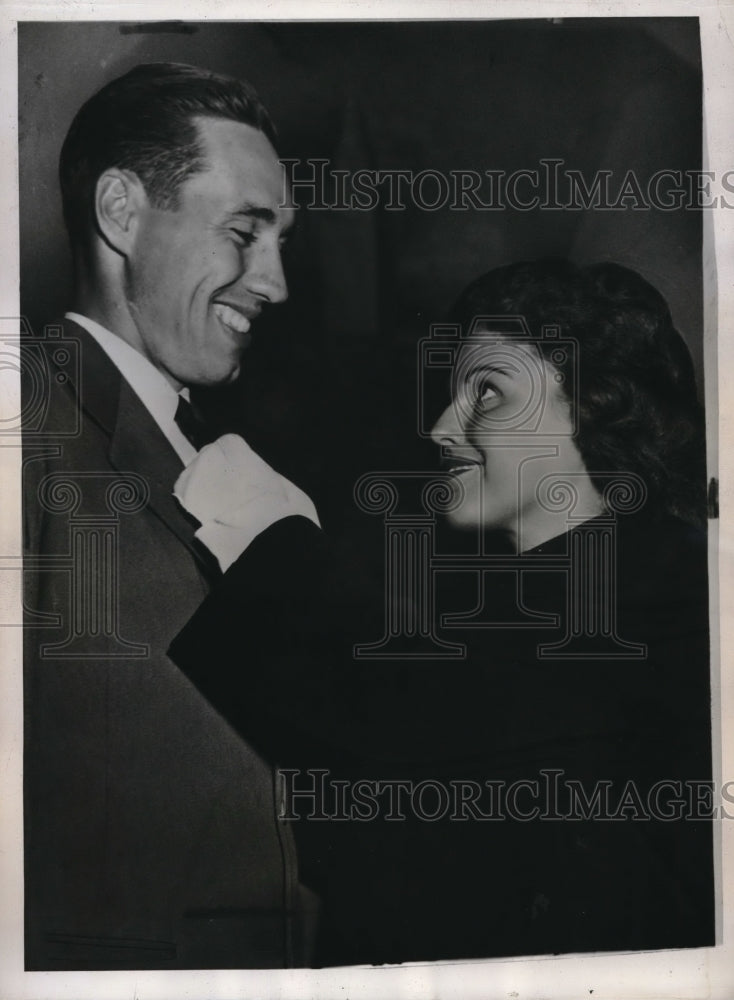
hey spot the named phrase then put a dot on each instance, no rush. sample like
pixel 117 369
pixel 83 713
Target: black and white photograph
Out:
pixel 363 609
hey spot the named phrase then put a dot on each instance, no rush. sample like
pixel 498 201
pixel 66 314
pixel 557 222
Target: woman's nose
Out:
pixel 448 429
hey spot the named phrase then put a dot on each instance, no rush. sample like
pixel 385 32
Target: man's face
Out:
pixel 199 274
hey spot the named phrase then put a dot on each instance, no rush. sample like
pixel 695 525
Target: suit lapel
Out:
pixel 137 444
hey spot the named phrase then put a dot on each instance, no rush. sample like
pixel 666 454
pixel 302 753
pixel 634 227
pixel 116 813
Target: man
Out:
pixel 151 836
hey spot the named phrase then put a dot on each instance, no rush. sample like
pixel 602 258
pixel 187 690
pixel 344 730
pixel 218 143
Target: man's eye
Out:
pixel 245 238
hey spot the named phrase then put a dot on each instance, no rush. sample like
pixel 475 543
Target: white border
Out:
pixel 701 973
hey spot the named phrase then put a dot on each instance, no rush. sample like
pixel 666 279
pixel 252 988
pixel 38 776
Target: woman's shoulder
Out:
pixel 662 578
pixel 663 546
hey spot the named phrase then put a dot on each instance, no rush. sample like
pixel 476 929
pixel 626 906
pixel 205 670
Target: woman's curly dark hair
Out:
pixel 636 408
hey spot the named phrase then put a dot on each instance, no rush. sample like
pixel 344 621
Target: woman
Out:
pixel 625 401
pixel 547 777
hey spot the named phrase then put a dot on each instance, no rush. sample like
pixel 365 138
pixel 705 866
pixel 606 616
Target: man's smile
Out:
pixel 233 317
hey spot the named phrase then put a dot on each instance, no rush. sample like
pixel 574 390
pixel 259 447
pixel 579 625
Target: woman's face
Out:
pixel 507 437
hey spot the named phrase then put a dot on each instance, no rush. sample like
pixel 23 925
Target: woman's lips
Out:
pixel 457 465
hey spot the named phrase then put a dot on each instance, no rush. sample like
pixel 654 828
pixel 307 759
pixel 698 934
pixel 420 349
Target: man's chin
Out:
pixel 210 378
pixel 223 378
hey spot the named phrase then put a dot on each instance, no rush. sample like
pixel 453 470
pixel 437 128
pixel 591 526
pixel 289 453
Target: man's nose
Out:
pixel 448 429
pixel 265 277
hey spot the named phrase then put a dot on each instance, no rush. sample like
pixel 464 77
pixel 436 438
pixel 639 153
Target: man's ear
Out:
pixel 119 198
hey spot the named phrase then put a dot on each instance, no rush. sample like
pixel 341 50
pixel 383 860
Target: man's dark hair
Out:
pixel 144 121
pixel 636 408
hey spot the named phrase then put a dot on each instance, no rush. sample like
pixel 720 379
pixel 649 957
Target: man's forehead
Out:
pixel 242 158
pixel 288 202
pixel 223 134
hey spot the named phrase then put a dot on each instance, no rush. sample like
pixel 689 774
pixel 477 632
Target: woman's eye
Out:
pixel 487 394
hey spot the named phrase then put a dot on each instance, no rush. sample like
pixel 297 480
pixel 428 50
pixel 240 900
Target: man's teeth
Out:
pixel 230 317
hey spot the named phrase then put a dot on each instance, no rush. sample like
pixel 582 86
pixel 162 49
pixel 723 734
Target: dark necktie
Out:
pixel 191 425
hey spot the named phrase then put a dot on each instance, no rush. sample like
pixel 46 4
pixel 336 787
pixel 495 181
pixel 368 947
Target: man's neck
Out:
pixel 108 312
pixel 111 312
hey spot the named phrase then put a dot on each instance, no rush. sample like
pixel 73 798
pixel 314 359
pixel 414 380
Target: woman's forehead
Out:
pixel 487 348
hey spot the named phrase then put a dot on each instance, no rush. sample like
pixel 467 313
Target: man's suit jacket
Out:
pixel 151 834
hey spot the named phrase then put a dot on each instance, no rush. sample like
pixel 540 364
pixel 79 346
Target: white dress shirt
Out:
pixel 152 388
pixel 232 492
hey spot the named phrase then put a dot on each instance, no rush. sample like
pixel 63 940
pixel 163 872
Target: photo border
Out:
pixel 694 973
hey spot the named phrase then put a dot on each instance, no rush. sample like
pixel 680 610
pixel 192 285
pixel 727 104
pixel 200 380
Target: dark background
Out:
pixel 329 389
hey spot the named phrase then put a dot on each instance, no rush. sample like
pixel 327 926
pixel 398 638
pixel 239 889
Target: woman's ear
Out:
pixel 119 198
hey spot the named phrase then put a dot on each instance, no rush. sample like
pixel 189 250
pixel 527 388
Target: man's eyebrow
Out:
pixel 264 214
pixel 256 212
